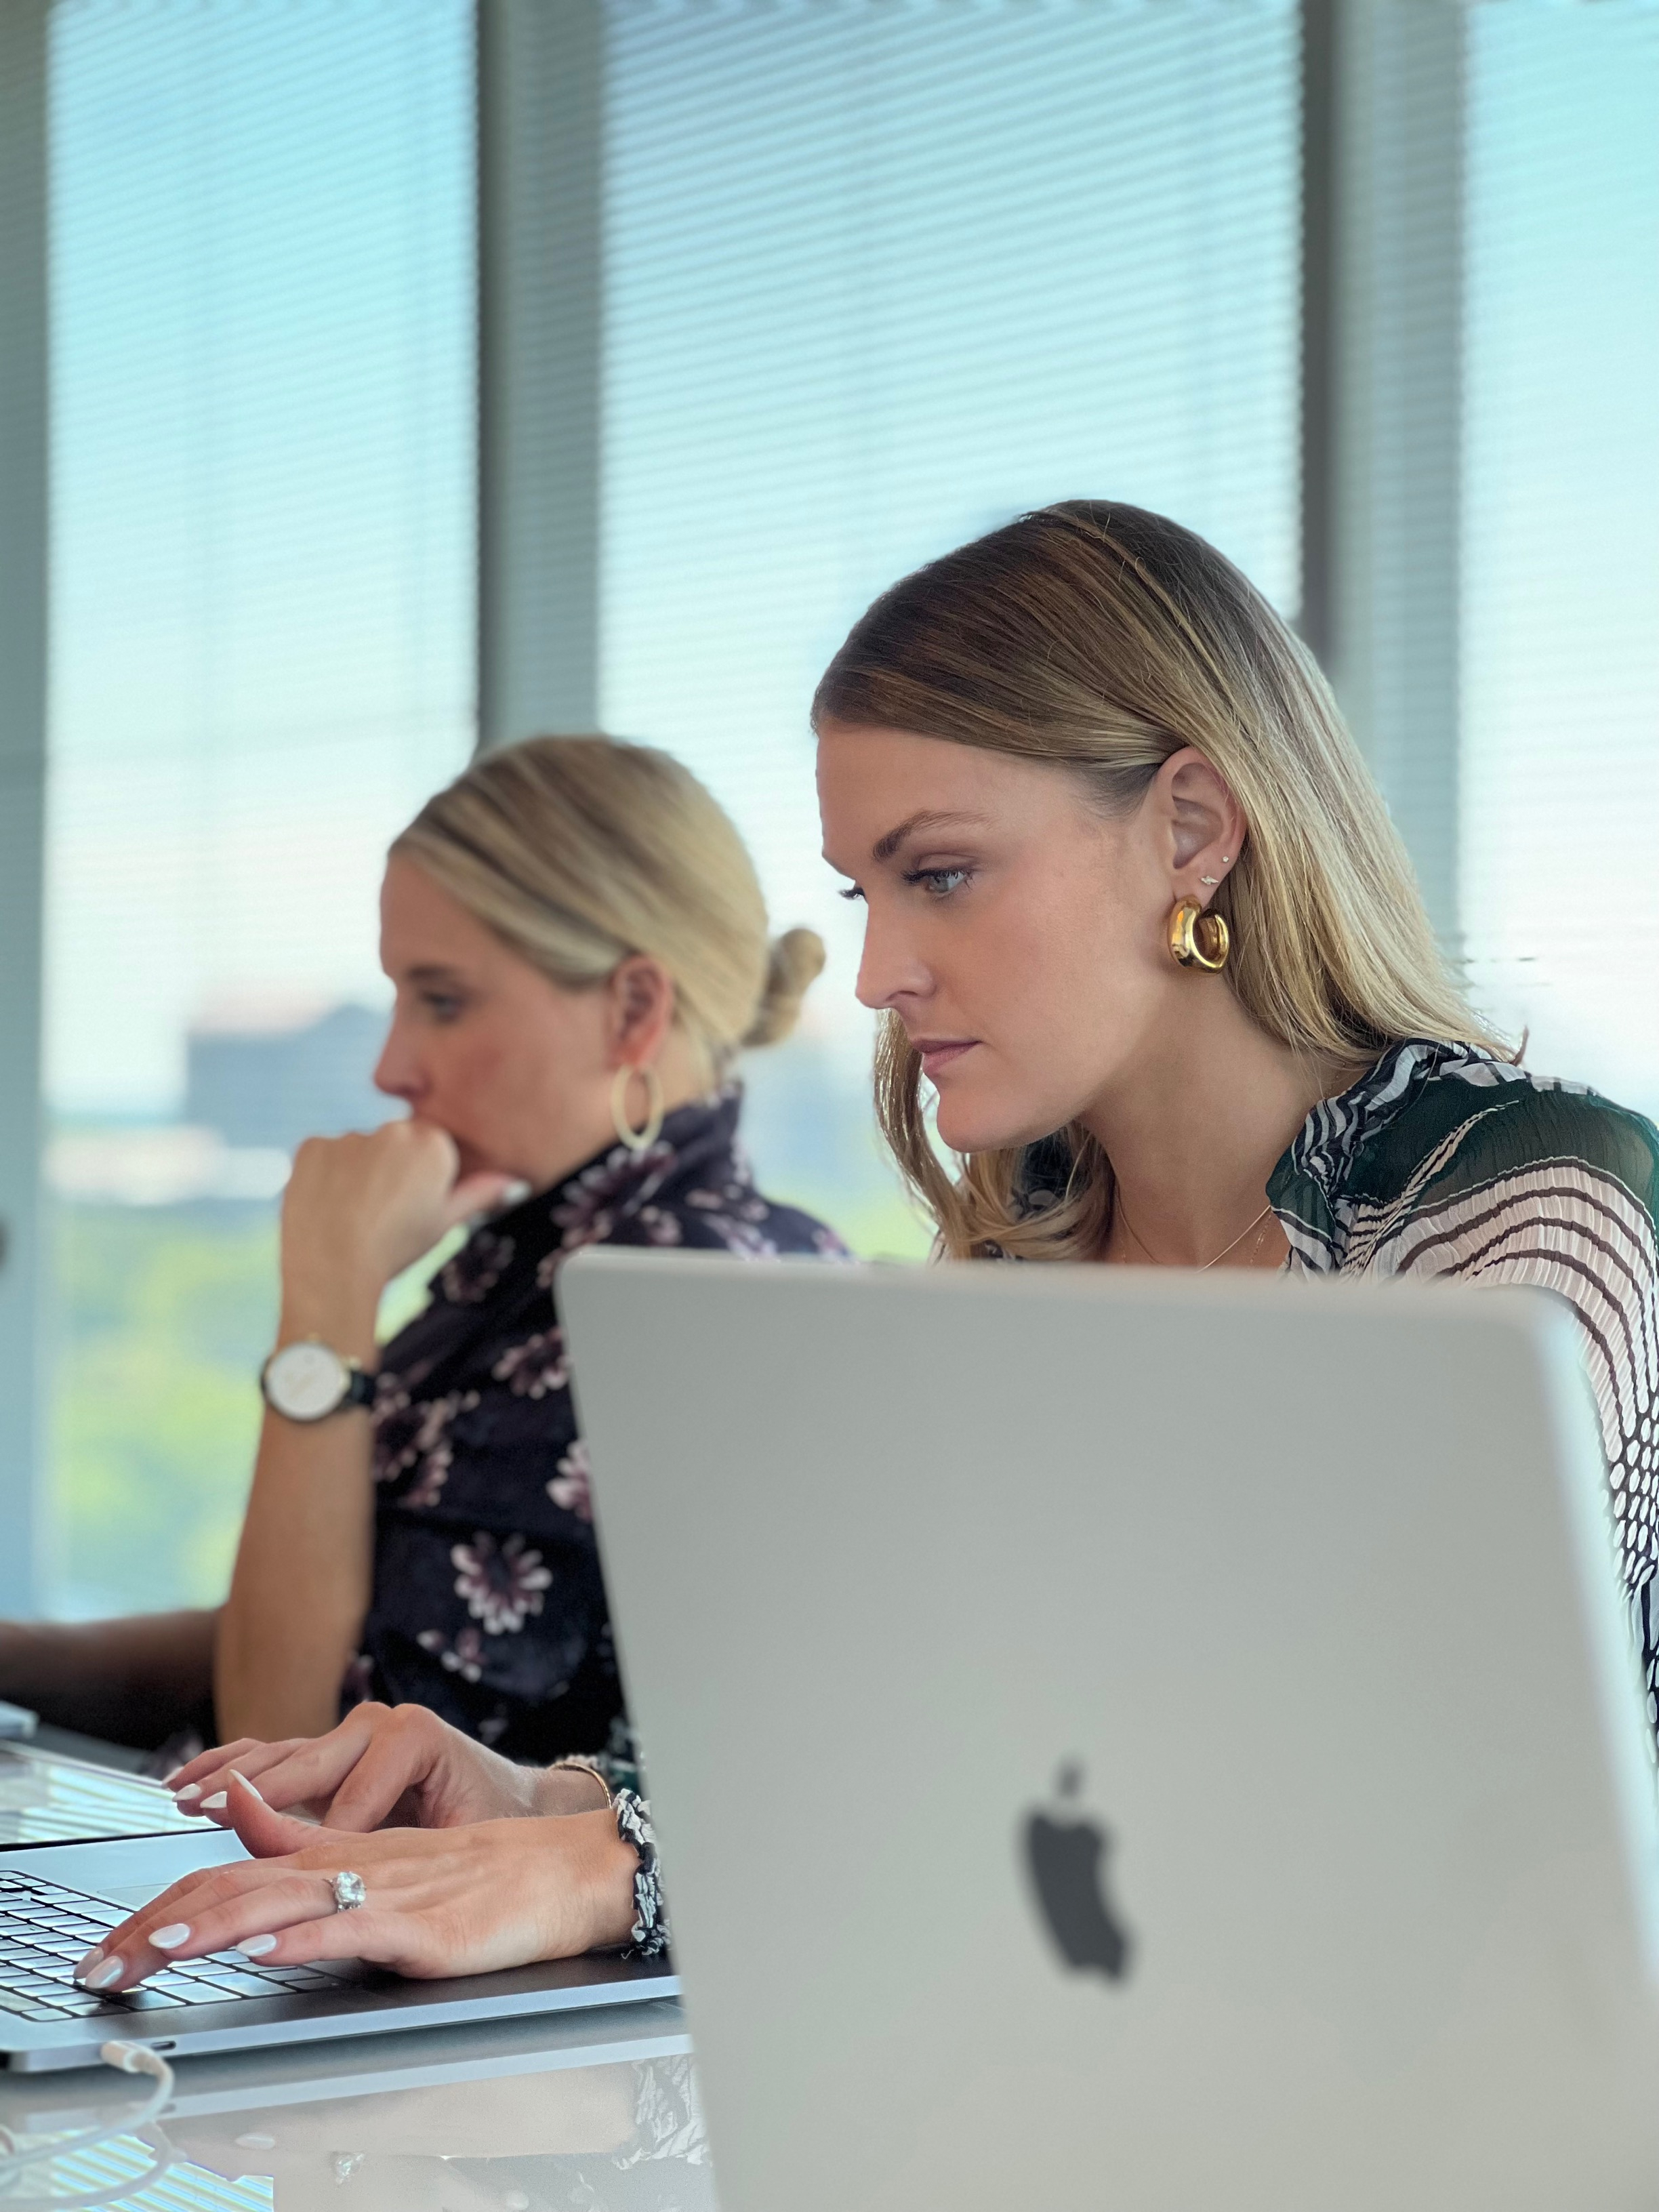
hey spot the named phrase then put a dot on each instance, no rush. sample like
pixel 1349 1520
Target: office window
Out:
pixel 1560 803
pixel 875 277
pixel 262 393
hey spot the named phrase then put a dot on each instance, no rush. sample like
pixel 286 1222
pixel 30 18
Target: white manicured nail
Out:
pixel 515 1193
pixel 169 1938
pixel 101 1977
pixel 249 1787
pixel 190 1789
pixel 257 1946
pixel 216 1803
pixel 88 1963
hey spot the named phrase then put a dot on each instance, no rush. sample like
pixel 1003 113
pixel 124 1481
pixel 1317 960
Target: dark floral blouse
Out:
pixel 488 1603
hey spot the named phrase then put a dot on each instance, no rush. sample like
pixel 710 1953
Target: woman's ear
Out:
pixel 1202 823
pixel 641 992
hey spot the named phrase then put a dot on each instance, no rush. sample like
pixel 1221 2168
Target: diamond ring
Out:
pixel 348 1891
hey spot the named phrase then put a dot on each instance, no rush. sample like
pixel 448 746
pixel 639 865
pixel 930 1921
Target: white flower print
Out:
pixel 477 1267
pixel 393 1421
pixel 736 1200
pixel 502 1583
pixel 733 1220
pixel 592 1200
pixel 660 1226
pixel 410 1434
pixel 536 1366
pixel 437 1447
pixel 570 1489
pixel 463 1657
pixel 747 1243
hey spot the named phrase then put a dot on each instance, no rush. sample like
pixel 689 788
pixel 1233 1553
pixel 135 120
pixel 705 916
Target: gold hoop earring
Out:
pixel 1190 924
pixel 642 1139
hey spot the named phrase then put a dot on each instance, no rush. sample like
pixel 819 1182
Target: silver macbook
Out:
pixel 56 1903
pixel 59 1898
pixel 49 1797
pixel 1132 1741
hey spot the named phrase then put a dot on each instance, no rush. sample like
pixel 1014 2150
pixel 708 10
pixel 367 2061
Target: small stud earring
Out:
pixel 1209 879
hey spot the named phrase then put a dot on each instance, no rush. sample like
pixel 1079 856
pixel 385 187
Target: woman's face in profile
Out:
pixel 514 1068
pixel 1016 931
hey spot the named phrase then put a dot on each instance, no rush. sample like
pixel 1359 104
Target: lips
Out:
pixel 938 1053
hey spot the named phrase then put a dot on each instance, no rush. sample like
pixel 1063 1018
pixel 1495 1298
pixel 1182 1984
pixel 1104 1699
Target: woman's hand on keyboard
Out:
pixel 440 1901
pixel 383 1763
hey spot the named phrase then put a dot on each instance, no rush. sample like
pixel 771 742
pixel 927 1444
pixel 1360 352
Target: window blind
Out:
pixel 262 404
pixel 879 274
pixel 1560 816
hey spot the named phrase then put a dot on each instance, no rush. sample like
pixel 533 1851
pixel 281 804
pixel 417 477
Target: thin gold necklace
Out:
pixel 1260 1222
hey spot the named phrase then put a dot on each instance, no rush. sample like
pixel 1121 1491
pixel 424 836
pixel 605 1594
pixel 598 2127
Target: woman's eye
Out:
pixel 852 892
pixel 441 1008
pixel 940 882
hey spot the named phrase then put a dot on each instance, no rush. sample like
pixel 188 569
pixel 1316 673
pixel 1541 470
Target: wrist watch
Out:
pixel 308 1381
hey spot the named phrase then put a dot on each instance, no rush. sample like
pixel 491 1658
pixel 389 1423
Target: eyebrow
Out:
pixel 432 971
pixel 884 847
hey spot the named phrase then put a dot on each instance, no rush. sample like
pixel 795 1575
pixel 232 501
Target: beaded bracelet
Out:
pixel 650 1932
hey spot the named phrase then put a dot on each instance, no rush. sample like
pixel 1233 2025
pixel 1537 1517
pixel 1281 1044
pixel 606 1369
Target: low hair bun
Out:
pixel 793 962
pixel 577 852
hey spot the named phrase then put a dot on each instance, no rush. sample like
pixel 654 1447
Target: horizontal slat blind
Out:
pixel 1560 797
pixel 262 501
pixel 262 485
pixel 879 273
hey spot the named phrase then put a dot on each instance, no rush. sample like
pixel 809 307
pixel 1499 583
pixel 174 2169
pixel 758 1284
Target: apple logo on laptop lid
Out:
pixel 1067 1860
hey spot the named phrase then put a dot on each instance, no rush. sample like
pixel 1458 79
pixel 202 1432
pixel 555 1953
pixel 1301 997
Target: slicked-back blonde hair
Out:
pixel 578 852
pixel 1105 638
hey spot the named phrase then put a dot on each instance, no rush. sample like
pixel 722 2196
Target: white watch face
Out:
pixel 307 1381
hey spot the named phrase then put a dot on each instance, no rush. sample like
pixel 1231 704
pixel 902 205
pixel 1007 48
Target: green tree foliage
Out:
pixel 164 1314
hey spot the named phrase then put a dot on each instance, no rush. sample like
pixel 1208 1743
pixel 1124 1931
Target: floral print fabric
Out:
pixel 488 1604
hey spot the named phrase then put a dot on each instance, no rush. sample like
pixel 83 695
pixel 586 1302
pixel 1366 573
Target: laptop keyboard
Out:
pixel 46 1931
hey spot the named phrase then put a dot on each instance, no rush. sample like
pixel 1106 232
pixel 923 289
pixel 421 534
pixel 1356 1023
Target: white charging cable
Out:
pixel 126 2058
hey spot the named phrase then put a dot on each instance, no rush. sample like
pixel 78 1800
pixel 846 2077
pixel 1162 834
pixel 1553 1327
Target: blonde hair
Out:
pixel 578 852
pixel 1106 638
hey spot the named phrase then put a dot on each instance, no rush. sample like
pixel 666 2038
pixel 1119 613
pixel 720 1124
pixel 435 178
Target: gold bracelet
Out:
pixel 585 1767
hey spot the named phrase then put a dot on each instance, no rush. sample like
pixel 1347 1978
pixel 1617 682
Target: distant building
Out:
pixel 269 1081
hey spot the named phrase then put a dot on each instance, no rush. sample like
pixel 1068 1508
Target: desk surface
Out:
pixel 596 2110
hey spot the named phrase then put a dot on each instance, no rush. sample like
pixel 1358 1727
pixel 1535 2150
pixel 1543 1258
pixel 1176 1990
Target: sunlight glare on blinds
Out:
pixel 1561 744
pixel 262 562
pixel 882 273
pixel 262 398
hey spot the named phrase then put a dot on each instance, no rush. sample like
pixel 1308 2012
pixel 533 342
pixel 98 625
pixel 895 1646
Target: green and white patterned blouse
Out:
pixel 1443 1161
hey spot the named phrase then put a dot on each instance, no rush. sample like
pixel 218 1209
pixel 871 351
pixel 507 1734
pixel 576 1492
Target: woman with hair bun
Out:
pixel 579 951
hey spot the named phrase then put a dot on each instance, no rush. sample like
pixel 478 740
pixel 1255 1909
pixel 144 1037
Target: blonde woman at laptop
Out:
pixel 1137 916
pixel 579 951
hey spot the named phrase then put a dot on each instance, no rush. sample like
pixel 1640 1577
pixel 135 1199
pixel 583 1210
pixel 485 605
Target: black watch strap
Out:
pixel 360 1390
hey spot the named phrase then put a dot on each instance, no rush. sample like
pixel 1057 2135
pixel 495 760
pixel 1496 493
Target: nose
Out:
pixel 398 1071
pixel 891 970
